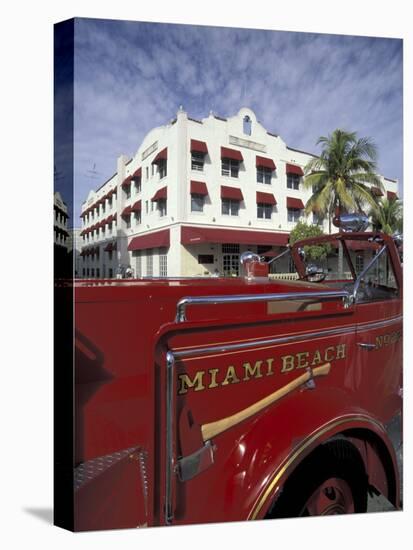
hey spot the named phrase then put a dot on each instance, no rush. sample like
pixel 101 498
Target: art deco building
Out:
pixel 196 194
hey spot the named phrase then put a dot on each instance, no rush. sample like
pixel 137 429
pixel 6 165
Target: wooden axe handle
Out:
pixel 214 428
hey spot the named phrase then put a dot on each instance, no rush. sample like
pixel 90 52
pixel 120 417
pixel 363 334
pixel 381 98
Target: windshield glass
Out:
pixel 327 261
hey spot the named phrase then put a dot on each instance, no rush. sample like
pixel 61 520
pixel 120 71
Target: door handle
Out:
pixel 367 346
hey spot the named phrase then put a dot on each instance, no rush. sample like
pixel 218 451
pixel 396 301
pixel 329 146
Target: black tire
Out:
pixel 331 480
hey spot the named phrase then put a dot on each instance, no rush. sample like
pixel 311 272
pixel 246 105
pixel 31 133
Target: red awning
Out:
pixel 377 192
pixel 161 194
pixel 137 173
pixel 162 155
pixel 198 188
pixel 295 203
pixel 293 169
pixel 126 211
pixel 109 247
pixel 392 195
pixel 197 235
pixel 127 181
pixel 157 239
pixel 199 146
pixel 231 193
pixel 266 163
pixel 266 198
pixel 82 253
pixel 136 206
pixel 232 154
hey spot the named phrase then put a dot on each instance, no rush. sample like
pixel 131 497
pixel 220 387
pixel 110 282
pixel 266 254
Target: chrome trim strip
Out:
pixel 251 298
pixel 268 341
pixel 378 324
pixel 170 459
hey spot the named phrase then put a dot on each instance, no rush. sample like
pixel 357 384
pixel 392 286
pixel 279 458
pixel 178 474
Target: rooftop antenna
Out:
pixel 93 174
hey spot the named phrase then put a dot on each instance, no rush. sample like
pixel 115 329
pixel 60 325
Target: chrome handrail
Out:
pixel 251 298
pixel 362 274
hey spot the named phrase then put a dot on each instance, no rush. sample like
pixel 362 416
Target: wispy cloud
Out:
pixel 130 77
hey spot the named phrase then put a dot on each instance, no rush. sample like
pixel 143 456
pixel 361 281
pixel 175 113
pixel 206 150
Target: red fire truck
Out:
pixel 227 399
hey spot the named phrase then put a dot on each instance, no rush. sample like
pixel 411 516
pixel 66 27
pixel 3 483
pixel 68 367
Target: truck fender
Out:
pixel 265 455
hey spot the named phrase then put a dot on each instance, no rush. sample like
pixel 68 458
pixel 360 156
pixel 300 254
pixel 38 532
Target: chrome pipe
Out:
pixel 251 298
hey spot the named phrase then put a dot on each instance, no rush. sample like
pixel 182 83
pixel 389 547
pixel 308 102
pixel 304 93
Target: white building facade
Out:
pixel 60 217
pixel 196 194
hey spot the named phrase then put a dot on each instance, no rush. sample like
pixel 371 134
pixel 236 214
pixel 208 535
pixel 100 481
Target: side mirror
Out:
pixel 314 273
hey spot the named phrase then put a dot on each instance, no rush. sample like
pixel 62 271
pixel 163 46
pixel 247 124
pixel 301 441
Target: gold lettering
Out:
pixel 288 363
pixel 341 351
pixel 186 382
pixel 213 374
pixel 254 372
pixel 329 353
pixel 269 366
pixel 379 342
pixel 317 358
pixel 301 364
pixel 231 377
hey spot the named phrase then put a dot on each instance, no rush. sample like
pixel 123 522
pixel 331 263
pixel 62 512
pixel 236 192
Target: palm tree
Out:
pixel 339 176
pixel 387 216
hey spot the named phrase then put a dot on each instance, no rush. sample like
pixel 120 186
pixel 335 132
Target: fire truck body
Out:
pixel 204 400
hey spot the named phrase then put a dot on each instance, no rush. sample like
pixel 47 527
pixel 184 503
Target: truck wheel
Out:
pixel 332 480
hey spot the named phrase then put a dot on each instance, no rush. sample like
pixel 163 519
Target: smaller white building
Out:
pixel 60 221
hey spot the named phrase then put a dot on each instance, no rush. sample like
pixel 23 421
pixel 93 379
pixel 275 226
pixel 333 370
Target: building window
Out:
pixel 163 263
pixel 87 272
pixel 97 272
pixel 162 168
pixel 127 191
pixel 146 207
pixel 92 273
pixel 127 221
pixel 205 259
pixel 152 169
pixel 162 208
pixel 149 263
pixel 137 216
pixel 293 214
pixel 230 167
pixel 138 263
pixel 230 259
pixel 264 211
pixel 138 185
pixel 318 219
pixel 110 273
pixel 230 207
pixel 110 227
pixel 230 248
pixel 246 125
pixel 293 181
pixel 110 255
pixel 103 207
pixel 264 174
pixel 147 172
pixel 197 203
pixel 110 201
pixel 197 161
pixel 359 262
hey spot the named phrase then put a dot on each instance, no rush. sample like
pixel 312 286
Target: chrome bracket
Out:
pixel 195 463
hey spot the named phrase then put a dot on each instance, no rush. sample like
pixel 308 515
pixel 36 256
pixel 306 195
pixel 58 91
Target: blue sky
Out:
pixel 131 77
